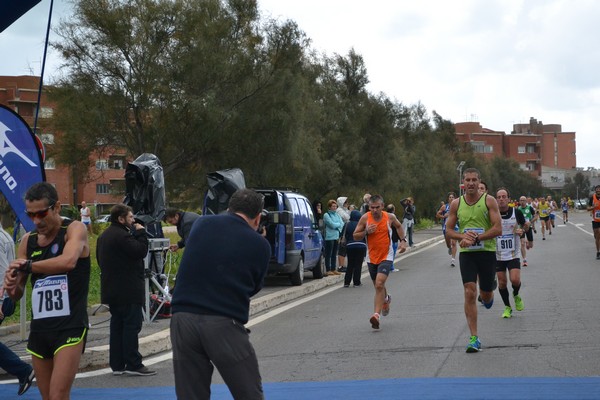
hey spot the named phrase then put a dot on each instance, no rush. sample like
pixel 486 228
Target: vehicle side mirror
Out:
pixel 281 217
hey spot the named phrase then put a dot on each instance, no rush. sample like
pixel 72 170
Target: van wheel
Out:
pixel 319 269
pixel 297 277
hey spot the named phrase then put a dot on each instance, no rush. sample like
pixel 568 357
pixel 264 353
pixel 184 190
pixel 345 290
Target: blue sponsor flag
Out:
pixel 21 162
pixel 12 10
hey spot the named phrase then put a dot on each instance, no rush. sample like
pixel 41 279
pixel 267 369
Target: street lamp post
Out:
pixel 459 169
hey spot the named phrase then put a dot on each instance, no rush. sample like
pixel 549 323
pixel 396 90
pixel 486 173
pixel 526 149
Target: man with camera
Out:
pixel 120 252
pixel 212 300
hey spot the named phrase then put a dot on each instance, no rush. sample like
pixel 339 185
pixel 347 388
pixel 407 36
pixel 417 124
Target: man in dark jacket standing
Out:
pixel 212 300
pixel 183 220
pixel 120 252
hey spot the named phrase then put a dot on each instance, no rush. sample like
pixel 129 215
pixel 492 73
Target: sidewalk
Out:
pixel 155 338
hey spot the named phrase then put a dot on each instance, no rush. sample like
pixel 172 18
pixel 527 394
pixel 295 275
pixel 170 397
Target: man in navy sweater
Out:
pixel 222 268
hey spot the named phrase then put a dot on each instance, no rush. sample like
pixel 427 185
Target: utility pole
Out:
pixel 459 169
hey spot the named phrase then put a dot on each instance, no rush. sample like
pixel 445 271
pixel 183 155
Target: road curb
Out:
pixel 159 342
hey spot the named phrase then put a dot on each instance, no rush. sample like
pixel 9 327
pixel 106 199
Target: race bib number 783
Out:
pixel 50 297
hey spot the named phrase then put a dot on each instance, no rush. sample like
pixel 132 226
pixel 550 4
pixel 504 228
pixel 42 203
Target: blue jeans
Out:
pixel 408 230
pixel 11 363
pixel 331 250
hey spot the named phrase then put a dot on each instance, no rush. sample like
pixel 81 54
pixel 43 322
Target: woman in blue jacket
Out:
pixel 333 229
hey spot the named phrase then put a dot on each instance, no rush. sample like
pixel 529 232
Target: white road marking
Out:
pixel 254 321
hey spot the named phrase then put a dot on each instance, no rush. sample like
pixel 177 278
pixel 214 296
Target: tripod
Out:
pixel 154 268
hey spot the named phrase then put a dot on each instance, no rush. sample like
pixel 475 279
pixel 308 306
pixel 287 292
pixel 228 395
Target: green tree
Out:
pixel 577 187
pixel 192 82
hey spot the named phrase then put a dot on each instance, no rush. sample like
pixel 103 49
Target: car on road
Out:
pixel 103 219
pixel 294 235
pixel 288 220
pixel 581 204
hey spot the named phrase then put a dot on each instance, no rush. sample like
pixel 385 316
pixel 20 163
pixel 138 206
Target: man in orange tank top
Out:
pixel 376 225
pixel 594 209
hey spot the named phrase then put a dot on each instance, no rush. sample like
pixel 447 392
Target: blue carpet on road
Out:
pixel 407 389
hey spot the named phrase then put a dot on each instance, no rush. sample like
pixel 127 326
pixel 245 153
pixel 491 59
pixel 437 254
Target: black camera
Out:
pixel 264 220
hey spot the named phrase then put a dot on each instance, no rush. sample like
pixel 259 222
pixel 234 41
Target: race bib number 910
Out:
pixel 506 242
pixel 50 297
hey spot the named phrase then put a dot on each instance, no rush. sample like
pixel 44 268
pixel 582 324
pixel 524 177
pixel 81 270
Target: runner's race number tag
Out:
pixel 50 297
pixel 506 242
pixel 479 231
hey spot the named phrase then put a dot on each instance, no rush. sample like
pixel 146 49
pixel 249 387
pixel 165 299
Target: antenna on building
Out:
pixel 29 68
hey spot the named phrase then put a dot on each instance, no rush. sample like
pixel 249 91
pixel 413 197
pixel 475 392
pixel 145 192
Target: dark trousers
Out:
pixel 331 250
pixel 356 256
pixel 409 233
pixel 203 341
pixel 125 326
pixel 11 363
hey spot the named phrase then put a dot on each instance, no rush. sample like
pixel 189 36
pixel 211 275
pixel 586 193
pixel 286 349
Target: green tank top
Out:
pixel 476 218
pixel 526 212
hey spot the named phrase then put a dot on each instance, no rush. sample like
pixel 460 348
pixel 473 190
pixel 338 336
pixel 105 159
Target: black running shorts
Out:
pixel 502 266
pixel 482 264
pixel 46 344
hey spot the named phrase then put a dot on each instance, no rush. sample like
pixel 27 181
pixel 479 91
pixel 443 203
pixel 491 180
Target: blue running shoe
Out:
pixel 474 345
pixel 488 305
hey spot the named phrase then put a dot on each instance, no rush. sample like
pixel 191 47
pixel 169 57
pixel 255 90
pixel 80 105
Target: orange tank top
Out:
pixel 379 243
pixel 596 209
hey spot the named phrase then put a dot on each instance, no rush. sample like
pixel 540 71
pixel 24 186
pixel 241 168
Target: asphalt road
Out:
pixel 326 337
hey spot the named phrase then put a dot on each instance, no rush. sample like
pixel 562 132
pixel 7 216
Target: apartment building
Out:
pixel 102 184
pixel 535 146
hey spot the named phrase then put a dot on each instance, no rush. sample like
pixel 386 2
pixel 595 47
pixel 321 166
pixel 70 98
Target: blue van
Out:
pixel 295 238
pixel 291 229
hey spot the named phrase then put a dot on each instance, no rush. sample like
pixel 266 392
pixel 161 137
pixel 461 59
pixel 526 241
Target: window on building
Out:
pixel 531 149
pixel 47 138
pixel 477 147
pixel 481 147
pixel 116 162
pixel 46 112
pixel 102 188
pixel 101 165
pixel 521 149
pixel 531 165
pixel 117 186
pixel 49 163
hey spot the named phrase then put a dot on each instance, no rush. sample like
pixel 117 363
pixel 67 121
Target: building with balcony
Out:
pixel 535 146
pixel 102 184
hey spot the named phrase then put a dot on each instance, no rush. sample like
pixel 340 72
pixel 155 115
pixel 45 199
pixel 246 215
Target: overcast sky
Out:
pixel 498 62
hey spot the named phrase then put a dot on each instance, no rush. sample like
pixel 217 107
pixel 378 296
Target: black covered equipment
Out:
pixel 221 185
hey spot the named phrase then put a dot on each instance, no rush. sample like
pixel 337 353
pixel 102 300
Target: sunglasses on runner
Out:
pixel 39 214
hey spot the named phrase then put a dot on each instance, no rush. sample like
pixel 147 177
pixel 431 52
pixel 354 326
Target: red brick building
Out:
pixel 103 184
pixel 533 145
